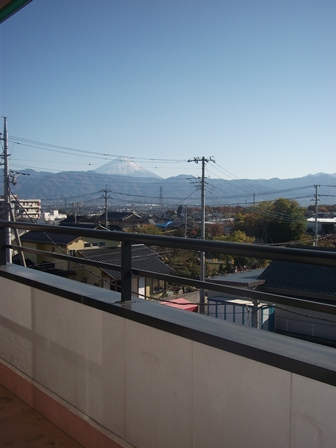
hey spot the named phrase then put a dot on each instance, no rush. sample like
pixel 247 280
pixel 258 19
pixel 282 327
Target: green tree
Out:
pixel 288 222
pixel 232 260
pixel 148 229
pixel 185 263
pixel 274 222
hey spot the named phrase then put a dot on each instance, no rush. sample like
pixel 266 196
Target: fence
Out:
pixel 323 258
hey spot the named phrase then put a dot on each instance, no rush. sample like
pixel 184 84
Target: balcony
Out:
pixel 114 371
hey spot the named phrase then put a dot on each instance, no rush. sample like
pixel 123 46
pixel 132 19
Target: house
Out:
pixel 308 282
pixel 75 220
pixel 84 222
pixel 143 258
pixel 121 219
pixel 59 244
pixel 324 225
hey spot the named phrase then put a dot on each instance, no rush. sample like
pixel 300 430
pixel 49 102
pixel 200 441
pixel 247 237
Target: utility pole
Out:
pixel 186 222
pixel 316 215
pixel 202 253
pixel 7 205
pixel 106 197
pixel 161 198
pixel 74 211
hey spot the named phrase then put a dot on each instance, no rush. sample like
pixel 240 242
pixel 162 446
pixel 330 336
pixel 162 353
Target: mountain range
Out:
pixel 126 182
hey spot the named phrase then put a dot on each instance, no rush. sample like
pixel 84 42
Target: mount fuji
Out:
pixel 124 166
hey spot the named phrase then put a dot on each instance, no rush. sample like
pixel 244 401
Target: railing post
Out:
pixel 126 271
pixel 3 251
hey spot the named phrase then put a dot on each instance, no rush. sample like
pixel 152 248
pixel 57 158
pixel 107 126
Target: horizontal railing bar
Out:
pixel 287 254
pixel 241 292
pixel 78 260
pixel 323 258
pixel 321 307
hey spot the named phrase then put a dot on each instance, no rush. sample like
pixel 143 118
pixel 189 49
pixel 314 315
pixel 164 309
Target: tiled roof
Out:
pixel 300 277
pixel 48 238
pixel 82 225
pixel 143 258
pixel 71 220
pixel 119 216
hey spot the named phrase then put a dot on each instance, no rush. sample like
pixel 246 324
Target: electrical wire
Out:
pixel 48 146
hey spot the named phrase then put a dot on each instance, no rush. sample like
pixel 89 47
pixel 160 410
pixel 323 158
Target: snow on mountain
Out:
pixel 124 166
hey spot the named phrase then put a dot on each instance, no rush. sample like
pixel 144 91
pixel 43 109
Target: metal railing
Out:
pixel 316 257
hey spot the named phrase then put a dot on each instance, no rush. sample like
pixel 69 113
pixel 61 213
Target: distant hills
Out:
pixel 129 183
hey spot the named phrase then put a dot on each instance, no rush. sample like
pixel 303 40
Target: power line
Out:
pixel 49 146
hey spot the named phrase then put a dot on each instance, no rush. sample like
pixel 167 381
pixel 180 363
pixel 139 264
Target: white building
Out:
pixel 24 209
pixel 324 225
pixel 28 209
pixel 54 216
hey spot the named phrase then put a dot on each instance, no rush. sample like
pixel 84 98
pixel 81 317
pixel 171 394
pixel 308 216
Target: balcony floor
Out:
pixel 23 427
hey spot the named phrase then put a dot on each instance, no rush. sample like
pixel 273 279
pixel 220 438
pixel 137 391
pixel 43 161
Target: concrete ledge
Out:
pixel 300 357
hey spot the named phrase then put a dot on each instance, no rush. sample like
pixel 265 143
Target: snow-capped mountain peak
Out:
pixel 124 166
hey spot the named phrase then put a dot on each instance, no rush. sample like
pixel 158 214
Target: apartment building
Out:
pixel 24 209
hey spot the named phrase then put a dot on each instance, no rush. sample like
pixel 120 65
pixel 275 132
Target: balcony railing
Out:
pixel 141 374
pixel 316 257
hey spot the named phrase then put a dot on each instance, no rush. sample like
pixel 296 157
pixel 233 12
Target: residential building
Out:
pixel 143 258
pixel 54 216
pixel 122 219
pixel 54 243
pixel 28 209
pixel 324 225
pixel 24 209
pixel 307 282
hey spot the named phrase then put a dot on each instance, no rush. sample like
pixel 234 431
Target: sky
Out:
pixel 249 84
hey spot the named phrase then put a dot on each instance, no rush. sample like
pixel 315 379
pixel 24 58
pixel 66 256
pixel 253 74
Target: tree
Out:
pixel 274 222
pixel 214 230
pixel 148 229
pixel 185 263
pixel 235 260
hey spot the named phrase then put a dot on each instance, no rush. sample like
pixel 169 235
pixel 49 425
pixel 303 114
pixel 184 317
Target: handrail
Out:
pixel 323 258
pixel 317 257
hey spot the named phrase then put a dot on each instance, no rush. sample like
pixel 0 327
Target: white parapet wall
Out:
pixel 143 386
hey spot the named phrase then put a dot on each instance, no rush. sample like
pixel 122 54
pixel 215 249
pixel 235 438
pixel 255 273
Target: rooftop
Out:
pixel 320 280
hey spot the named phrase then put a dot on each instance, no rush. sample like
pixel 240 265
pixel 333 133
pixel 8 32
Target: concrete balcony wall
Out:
pixel 135 376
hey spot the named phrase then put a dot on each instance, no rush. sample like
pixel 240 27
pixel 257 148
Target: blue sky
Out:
pixel 250 82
